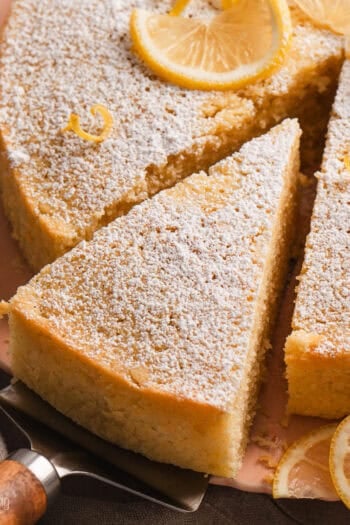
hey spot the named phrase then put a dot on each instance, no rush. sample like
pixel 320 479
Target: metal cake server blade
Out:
pixel 71 450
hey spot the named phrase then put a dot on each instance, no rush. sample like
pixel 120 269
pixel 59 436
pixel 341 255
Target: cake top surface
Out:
pixel 323 302
pixel 166 296
pixel 59 56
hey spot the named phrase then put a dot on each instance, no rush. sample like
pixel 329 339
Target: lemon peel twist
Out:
pixel 74 124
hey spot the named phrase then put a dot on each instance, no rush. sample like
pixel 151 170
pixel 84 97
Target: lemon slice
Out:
pixel 303 471
pixel 334 14
pixel 244 42
pixel 339 460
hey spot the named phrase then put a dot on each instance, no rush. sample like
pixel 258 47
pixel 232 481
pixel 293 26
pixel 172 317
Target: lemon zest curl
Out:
pixel 74 124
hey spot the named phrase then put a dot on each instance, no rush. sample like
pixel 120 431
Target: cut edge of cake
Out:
pixel 317 352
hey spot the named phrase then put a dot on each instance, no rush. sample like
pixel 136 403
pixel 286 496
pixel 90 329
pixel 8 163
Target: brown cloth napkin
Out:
pixel 88 502
pixel 221 506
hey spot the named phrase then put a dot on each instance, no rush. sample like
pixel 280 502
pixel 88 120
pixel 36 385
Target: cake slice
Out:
pixel 59 57
pixel 318 349
pixel 152 334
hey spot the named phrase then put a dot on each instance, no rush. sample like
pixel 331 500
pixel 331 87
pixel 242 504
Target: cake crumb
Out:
pixel 4 308
pixel 268 441
pixel 139 375
pixel 268 461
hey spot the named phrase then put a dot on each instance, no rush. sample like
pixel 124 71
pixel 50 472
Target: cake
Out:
pixel 317 352
pixel 152 334
pixel 59 57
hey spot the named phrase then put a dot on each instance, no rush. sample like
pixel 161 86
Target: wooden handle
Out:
pixel 22 497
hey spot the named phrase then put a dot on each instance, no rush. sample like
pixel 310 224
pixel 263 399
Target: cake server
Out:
pixel 54 448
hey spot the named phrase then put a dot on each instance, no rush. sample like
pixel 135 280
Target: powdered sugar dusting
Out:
pixel 323 303
pixel 18 157
pixel 60 56
pixel 166 295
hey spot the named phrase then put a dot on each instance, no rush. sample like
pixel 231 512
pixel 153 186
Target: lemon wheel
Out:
pixel 244 42
pixel 303 471
pixel 334 14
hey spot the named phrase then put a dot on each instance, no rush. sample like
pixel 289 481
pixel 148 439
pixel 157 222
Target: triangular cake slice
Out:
pixel 63 57
pixel 152 334
pixel 318 350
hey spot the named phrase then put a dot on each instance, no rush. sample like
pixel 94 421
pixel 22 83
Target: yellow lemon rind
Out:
pixel 336 457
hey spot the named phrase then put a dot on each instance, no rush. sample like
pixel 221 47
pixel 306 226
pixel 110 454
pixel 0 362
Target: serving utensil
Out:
pixel 55 448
